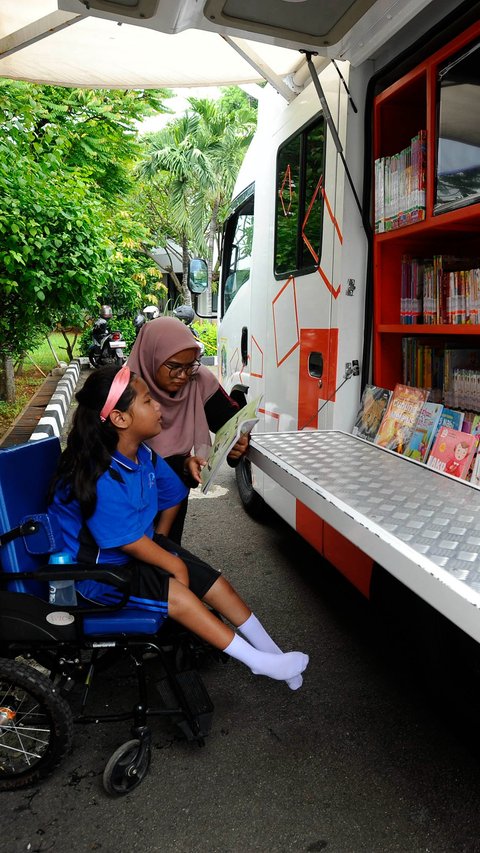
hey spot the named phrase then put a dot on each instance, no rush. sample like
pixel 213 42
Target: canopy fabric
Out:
pixel 96 53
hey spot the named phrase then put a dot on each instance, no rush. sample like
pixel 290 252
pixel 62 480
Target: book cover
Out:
pixel 400 417
pixel 452 452
pixel 372 409
pixel 475 477
pixel 424 433
pixel 451 418
pixel 240 424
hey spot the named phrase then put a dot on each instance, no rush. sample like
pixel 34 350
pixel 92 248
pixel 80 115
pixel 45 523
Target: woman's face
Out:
pixel 177 370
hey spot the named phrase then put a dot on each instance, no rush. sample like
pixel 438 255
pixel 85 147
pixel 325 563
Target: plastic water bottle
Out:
pixel 62 592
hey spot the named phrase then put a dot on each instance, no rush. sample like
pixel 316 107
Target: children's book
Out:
pixel 372 409
pixel 240 424
pixel 424 432
pixel 400 417
pixel 451 418
pixel 452 452
pixel 475 478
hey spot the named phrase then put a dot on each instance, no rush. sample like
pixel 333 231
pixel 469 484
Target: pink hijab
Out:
pixel 184 424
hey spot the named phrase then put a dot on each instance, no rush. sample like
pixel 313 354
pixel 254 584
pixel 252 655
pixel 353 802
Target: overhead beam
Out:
pixel 36 31
pixel 249 55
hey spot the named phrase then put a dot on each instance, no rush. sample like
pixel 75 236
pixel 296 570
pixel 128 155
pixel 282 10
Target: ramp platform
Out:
pixel 420 525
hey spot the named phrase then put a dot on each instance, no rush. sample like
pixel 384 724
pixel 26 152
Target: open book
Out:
pixel 228 435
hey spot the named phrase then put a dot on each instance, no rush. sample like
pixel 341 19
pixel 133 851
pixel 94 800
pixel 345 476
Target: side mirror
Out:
pixel 197 275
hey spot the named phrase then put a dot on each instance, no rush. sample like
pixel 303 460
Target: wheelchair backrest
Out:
pixel 26 471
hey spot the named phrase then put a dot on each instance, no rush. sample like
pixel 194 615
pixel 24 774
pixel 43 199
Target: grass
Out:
pixel 39 363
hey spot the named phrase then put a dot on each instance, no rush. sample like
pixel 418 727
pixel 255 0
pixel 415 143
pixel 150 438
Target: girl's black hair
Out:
pixel 91 442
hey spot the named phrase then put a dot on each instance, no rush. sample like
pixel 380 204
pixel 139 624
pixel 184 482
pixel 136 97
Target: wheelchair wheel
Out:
pixel 36 726
pixel 126 768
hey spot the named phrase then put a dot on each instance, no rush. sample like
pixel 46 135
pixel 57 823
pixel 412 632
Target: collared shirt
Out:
pixel 129 497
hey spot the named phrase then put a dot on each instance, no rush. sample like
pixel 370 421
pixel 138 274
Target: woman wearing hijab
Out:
pixel 193 403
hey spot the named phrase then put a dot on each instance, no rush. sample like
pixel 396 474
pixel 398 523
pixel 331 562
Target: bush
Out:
pixel 207 332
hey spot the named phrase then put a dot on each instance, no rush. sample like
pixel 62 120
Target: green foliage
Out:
pixel 67 238
pixel 207 332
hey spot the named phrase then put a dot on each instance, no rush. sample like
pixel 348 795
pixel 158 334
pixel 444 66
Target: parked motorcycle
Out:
pixel 108 346
pixel 187 315
pixel 184 313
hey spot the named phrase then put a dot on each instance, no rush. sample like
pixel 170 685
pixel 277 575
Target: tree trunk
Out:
pixel 186 295
pixel 7 380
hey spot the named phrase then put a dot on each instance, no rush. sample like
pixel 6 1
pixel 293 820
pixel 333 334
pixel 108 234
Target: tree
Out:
pixel 66 237
pixel 191 167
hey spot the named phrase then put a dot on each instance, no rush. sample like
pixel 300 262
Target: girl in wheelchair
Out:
pixel 115 502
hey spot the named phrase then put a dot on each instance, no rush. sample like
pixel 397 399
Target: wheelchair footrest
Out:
pixel 197 703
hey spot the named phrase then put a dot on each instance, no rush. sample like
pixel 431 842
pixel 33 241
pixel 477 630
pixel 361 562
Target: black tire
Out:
pixel 126 768
pixel 36 726
pixel 251 500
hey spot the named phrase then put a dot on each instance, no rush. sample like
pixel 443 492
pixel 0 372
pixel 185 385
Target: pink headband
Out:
pixel 120 382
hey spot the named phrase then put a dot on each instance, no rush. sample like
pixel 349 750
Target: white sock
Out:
pixel 253 631
pixel 278 666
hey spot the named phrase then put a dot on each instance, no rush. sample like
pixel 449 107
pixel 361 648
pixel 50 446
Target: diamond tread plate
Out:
pixel 434 514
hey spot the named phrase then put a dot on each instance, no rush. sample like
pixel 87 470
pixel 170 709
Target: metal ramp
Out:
pixel 420 525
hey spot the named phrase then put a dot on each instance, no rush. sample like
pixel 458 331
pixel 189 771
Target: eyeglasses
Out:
pixel 175 370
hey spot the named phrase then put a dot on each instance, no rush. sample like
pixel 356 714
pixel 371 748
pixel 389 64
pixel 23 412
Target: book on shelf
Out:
pixel 475 475
pixel 457 359
pixel 424 433
pixel 400 186
pixel 452 452
pixel 372 409
pixel 451 418
pixel 422 366
pixel 240 424
pixel 400 417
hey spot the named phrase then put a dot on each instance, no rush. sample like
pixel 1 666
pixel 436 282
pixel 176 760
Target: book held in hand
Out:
pixel 424 433
pixel 400 417
pixel 452 452
pixel 226 437
pixel 372 409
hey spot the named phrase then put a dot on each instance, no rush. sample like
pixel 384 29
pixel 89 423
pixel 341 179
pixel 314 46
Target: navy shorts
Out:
pixel 149 584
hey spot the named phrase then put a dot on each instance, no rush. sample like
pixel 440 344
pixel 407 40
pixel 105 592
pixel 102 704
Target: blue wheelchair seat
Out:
pixel 26 471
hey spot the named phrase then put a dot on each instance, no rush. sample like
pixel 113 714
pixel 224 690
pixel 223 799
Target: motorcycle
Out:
pixel 108 347
pixel 184 313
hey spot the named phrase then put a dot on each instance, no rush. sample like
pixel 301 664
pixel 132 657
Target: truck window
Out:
pixel 299 201
pixel 237 251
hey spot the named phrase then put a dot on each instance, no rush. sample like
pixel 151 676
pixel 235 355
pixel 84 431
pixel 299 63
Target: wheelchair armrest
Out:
pixel 78 572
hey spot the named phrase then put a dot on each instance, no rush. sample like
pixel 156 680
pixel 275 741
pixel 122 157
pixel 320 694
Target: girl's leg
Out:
pixel 222 597
pixel 185 607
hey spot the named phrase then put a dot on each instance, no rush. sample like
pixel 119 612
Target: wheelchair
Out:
pixel 49 654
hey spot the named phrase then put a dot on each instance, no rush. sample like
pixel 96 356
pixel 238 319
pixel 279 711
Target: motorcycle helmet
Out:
pixel 151 312
pixel 184 313
pixel 106 312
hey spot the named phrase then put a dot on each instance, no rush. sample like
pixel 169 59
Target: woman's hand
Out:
pixel 193 466
pixel 149 552
pixel 240 448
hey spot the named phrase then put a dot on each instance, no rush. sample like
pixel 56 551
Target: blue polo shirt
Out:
pixel 129 496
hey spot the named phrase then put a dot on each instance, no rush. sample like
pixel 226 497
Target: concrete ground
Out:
pixel 357 760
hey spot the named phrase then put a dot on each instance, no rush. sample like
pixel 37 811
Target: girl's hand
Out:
pixel 239 448
pixel 193 466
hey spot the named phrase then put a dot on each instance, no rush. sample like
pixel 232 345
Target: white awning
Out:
pixel 94 53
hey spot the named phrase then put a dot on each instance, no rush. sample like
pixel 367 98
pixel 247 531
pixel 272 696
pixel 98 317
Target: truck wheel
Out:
pixel 251 500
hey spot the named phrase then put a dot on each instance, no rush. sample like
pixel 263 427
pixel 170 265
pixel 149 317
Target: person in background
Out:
pixel 114 500
pixel 165 355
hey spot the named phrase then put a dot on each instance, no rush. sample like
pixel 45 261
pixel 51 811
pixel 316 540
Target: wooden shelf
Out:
pixel 401 111
pixel 421 329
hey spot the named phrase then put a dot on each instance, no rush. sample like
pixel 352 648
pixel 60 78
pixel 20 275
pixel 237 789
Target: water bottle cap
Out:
pixel 61 557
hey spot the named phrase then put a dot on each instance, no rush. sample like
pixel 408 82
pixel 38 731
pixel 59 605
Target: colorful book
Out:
pixel 452 452
pixel 451 418
pixel 475 477
pixel 372 409
pixel 424 433
pixel 400 417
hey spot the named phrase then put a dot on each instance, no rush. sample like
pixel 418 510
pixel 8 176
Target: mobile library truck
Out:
pixel 350 254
